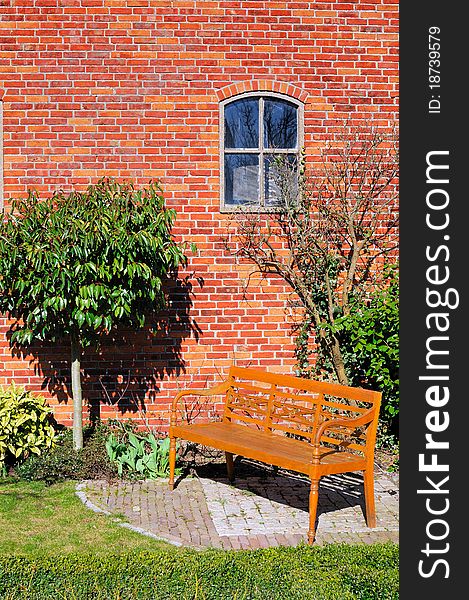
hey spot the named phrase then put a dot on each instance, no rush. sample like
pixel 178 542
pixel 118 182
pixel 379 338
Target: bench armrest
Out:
pixel 216 390
pixel 347 423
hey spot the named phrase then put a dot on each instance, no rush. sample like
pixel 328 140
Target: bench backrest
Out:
pixel 295 406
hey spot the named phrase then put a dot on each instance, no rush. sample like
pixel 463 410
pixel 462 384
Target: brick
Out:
pixel 132 90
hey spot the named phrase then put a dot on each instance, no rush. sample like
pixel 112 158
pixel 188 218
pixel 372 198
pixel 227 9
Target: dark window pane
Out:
pixel 280 124
pixel 242 124
pixel 280 179
pixel 241 179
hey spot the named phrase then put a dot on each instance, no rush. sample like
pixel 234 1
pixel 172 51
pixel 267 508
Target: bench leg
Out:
pixel 172 461
pixel 313 507
pixel 230 466
pixel 369 486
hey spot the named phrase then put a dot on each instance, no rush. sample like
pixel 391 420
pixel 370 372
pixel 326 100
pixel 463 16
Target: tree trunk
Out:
pixel 76 394
pixel 338 361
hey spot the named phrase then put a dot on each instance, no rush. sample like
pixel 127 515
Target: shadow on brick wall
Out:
pixel 127 369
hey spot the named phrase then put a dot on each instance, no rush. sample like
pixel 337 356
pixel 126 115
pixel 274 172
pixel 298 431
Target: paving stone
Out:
pixel 255 512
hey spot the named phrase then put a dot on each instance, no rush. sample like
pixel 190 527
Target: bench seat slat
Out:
pixel 284 452
pixel 310 434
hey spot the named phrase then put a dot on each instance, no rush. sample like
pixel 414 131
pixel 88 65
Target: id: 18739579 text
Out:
pixel 434 75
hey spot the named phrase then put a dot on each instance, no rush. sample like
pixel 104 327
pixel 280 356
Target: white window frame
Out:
pixel 261 151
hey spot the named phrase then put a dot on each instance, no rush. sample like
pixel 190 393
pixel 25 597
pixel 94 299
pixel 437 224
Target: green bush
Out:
pixel 25 425
pixel 64 462
pixel 335 572
pixel 369 343
pixel 370 335
pixel 109 450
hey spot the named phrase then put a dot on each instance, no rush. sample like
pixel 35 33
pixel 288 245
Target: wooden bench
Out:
pixel 310 427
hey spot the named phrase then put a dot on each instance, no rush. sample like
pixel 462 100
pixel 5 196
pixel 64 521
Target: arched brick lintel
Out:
pixel 262 85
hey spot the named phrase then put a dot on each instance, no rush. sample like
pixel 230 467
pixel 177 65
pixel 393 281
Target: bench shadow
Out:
pixel 336 492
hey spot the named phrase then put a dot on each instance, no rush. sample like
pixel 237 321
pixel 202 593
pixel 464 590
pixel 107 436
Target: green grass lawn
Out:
pixel 39 520
pixel 52 546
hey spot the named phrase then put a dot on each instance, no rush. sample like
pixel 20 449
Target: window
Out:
pixel 260 132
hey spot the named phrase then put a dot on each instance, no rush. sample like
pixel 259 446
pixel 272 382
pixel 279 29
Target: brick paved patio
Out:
pixel 258 511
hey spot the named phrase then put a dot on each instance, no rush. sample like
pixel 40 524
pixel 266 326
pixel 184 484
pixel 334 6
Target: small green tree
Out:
pixel 74 266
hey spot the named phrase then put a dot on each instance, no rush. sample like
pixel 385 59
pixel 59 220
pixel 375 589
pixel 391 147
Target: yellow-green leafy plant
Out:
pixel 25 425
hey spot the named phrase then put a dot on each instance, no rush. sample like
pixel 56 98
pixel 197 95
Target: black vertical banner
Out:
pixel 434 466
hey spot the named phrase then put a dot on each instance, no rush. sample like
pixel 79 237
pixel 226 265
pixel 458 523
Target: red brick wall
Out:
pixel 131 89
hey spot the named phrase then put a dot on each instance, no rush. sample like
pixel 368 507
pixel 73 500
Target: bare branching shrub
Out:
pixel 333 228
